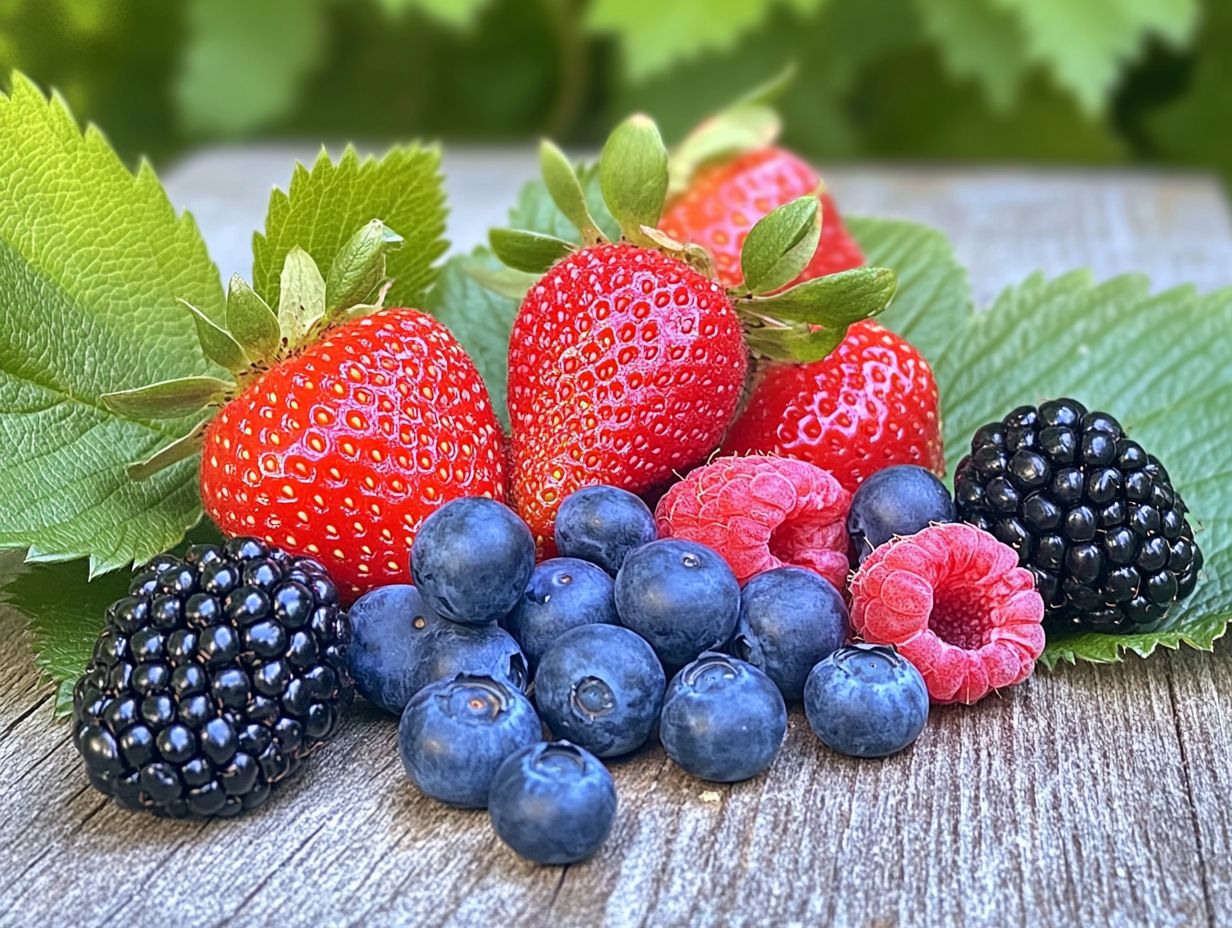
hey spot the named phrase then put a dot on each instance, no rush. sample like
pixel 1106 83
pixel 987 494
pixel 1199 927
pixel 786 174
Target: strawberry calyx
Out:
pixel 256 337
pixel 802 324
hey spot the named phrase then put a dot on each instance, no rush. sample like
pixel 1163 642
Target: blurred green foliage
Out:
pixel 1086 81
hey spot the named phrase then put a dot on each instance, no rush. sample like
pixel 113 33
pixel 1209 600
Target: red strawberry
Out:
pixel 625 365
pixel 723 201
pixel 340 452
pixel 869 404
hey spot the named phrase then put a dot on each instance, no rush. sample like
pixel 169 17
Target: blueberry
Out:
pixel 790 619
pixel 471 560
pixel 866 700
pixel 391 629
pixel 483 650
pixel 723 719
pixel 899 500
pixel 553 802
pixel 601 686
pixel 680 596
pixel 563 593
pixel 455 733
pixel 602 525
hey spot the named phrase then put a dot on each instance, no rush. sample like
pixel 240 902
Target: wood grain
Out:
pixel 1092 795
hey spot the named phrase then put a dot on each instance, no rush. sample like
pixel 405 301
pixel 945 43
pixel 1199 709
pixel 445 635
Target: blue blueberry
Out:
pixel 602 525
pixel 471 560
pixel 866 700
pixel 790 619
pixel 479 650
pixel 723 719
pixel 391 630
pixel 899 500
pixel 601 687
pixel 680 596
pixel 553 803
pixel 455 733
pixel 563 593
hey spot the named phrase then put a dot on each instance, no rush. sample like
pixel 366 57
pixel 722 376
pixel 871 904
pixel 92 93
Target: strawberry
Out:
pixel 625 365
pixel 341 451
pixel 723 200
pixel 344 425
pixel 627 360
pixel 869 404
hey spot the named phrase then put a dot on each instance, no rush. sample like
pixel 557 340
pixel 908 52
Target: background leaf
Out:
pixel 330 202
pixel 980 40
pixel 91 250
pixel 1160 364
pixel 245 61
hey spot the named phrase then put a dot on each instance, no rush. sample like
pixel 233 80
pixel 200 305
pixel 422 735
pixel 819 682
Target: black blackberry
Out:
pixel 212 680
pixel 1090 513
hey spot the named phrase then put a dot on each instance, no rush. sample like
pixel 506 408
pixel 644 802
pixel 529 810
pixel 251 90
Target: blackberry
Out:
pixel 1090 513
pixel 212 680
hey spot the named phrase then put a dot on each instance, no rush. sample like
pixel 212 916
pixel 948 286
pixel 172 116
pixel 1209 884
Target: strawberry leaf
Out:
pixel 836 300
pixel 536 211
pixel 168 399
pixel 531 252
pixel 1151 360
pixel 780 245
pixel 359 269
pixel 561 179
pixel 327 203
pixel 250 320
pixel 633 174
pixel 92 260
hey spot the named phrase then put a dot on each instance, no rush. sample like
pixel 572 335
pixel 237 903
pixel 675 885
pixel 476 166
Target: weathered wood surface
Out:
pixel 1092 795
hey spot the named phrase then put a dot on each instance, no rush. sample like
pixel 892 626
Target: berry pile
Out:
pixel 1092 515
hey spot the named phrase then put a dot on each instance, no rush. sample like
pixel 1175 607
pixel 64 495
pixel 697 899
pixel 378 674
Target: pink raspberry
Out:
pixel 955 603
pixel 761 513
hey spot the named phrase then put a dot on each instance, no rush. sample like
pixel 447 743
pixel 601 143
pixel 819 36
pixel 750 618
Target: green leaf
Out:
pixel 245 61
pixel 253 324
pixel 479 318
pixel 561 180
pixel 168 399
pixel 536 211
pixel 655 35
pixel 1147 359
pixel 359 269
pixel 460 14
pixel 933 300
pixel 532 252
pixel 633 174
pixel 796 343
pixel 325 205
pixel 179 450
pixel 834 301
pixel 216 342
pixel 780 245
pixel 980 40
pixel 736 130
pixel 92 260
pixel 1085 45
pixel 301 299
pixel 504 281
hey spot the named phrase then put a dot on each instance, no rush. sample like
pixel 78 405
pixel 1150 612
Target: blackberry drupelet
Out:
pixel 1090 513
pixel 212 680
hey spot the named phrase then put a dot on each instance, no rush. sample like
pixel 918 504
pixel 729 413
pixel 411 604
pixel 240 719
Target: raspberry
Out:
pixel 761 513
pixel 955 603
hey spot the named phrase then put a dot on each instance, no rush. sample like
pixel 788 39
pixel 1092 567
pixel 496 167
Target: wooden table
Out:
pixel 1091 795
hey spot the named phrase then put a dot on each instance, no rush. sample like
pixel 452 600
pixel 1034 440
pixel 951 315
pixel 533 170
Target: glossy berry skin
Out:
pixel 563 593
pixel 870 404
pixel 761 513
pixel 866 700
pixel 602 524
pixel 955 603
pixel 213 680
pixel 723 719
pixel 789 620
pixel 723 201
pixel 553 803
pixel 456 733
pixel 391 633
pixel 898 500
pixel 1092 515
pixel 477 650
pixel 601 687
pixel 340 452
pixel 625 365
pixel 680 596
pixel 472 560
